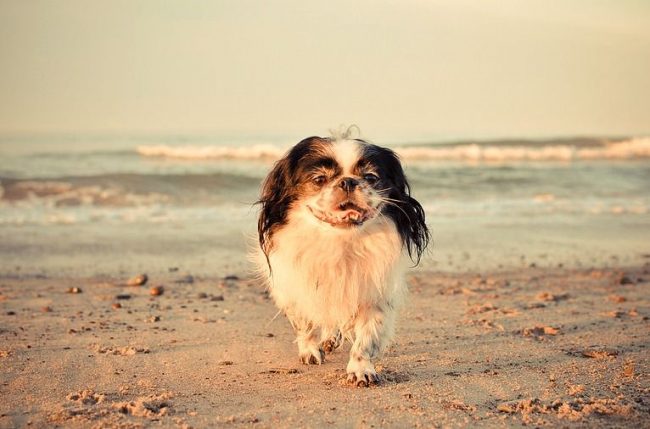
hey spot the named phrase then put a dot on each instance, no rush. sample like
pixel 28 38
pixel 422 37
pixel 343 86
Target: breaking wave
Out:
pixel 627 149
pixel 266 151
pixel 636 148
pixel 65 194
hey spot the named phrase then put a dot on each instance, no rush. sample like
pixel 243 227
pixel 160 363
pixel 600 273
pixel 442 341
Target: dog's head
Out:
pixel 344 184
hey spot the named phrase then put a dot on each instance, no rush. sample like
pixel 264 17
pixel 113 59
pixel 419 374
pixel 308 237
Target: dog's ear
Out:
pixel 275 199
pixel 279 190
pixel 404 210
pixel 410 220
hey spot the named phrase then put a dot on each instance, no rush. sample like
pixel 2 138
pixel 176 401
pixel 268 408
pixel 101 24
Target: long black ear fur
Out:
pixel 278 191
pixel 404 210
pixel 275 200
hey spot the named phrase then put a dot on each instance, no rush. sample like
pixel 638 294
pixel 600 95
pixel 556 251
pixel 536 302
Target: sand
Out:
pixel 531 346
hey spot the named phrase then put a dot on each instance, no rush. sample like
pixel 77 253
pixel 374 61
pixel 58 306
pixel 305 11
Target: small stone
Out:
pixel 270 335
pixel 539 331
pixel 116 305
pixel 74 290
pixel 617 298
pixel 628 369
pixel 123 296
pixel 549 330
pixel 599 353
pixel 11 313
pixel 615 314
pixel 138 280
pixel 226 362
pixel 508 407
pixel 156 290
pixel 46 309
pixel 534 305
pixel 153 319
pixel 172 269
pixel 547 296
pixel 216 298
pixel 189 279
pixel 231 277
pixel 202 295
pixel 625 280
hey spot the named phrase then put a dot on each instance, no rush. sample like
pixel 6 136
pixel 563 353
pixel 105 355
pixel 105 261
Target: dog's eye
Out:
pixel 319 180
pixel 371 178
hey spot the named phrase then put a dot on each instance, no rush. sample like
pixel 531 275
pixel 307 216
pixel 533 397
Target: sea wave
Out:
pixel 626 149
pixel 65 194
pixel 264 151
pixel 128 190
pixel 636 148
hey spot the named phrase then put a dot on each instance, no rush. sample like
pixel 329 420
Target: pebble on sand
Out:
pixel 74 290
pixel 138 280
pixel 539 331
pixel 625 280
pixel 547 296
pixel 156 290
pixel 116 305
pixel 599 353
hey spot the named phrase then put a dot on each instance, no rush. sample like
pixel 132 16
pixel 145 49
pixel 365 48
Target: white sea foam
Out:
pixel 64 194
pixel 627 149
pixel 212 152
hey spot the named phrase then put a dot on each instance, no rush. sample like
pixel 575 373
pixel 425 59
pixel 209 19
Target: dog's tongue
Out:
pixel 352 215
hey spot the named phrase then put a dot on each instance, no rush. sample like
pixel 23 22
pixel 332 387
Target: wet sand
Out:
pixel 532 346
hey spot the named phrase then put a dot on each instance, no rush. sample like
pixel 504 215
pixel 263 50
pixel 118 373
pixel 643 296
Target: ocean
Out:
pixel 122 204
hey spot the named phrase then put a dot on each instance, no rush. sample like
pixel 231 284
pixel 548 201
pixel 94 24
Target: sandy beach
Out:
pixel 530 308
pixel 135 143
pixel 525 347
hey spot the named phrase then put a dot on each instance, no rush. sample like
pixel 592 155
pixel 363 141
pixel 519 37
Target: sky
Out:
pixel 401 69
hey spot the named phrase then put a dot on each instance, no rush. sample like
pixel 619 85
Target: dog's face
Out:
pixel 343 184
pixel 338 184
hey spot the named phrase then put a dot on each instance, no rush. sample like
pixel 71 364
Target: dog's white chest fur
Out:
pixel 327 277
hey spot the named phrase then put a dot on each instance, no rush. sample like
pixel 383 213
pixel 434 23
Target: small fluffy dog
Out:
pixel 336 222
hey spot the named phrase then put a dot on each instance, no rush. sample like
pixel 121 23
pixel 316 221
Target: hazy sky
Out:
pixel 399 69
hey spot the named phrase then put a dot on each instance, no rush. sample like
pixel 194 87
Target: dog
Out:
pixel 336 228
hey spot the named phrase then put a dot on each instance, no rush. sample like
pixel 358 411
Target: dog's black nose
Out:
pixel 348 184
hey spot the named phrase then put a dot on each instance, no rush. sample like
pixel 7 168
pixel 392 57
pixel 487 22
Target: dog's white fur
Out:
pixel 343 282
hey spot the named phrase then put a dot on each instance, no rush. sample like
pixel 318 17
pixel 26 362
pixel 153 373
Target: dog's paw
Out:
pixel 361 373
pixel 332 343
pixel 312 356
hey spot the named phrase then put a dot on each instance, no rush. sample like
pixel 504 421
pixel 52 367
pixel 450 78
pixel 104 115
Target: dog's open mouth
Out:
pixel 349 214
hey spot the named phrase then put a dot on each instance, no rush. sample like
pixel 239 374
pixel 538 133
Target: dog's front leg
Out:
pixel 372 328
pixel 331 340
pixel 309 349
